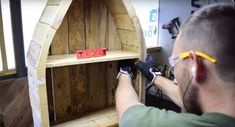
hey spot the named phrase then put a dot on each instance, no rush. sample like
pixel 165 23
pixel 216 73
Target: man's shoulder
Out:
pixel 141 116
pixel 219 119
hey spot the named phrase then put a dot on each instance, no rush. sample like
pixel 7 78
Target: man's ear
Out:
pixel 198 69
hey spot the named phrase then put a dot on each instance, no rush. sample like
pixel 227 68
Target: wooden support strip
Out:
pixel 44 105
pixel 123 21
pixel 70 59
pixel 112 71
pixel 116 6
pixel 132 48
pixel 53 2
pixel 61 85
pixel 7 72
pixel 112 40
pixel 60 42
pixel 49 14
pixel 2 43
pixel 103 118
pixel 54 14
pixel 128 37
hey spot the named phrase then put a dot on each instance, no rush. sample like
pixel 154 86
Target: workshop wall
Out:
pixel 170 9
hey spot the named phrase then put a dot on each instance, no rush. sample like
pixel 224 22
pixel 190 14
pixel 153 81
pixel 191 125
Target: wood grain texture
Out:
pixel 60 41
pixel 96 24
pixel 111 81
pixel 103 118
pixel 128 37
pixel 53 2
pixel 76 19
pixel 96 80
pixel 15 100
pixel 116 6
pixel 77 41
pixel 2 44
pixel 123 21
pixel 50 95
pixel 79 90
pixel 70 59
pixel 62 99
pixel 112 40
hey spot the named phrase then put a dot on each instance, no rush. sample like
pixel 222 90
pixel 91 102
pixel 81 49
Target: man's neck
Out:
pixel 217 100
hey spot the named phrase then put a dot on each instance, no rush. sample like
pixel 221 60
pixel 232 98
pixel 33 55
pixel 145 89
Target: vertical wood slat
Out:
pixel 113 41
pixel 95 38
pixel 2 43
pixel 60 42
pixel 76 18
pixel 49 82
pixel 62 98
pixel 77 39
pixel 60 85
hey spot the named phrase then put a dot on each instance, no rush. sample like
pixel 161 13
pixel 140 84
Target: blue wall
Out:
pixel 170 9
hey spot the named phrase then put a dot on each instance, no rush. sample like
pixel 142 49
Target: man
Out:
pixel 203 61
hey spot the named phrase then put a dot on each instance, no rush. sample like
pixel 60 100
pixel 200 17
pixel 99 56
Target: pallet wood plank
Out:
pixel 97 86
pixel 79 90
pixel 49 14
pixel 60 41
pixel 112 71
pixel 96 20
pixel 2 44
pixel 128 37
pixel 132 48
pixel 61 80
pixel 70 59
pixel 49 82
pixel 76 19
pixel 78 85
pixel 95 24
pixel 112 39
pixel 116 6
pixel 16 100
pixel 123 21
pixel 54 12
pixel 53 2
pixel 98 118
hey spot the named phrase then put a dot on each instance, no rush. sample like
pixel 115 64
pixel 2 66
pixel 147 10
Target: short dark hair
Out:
pixel 211 29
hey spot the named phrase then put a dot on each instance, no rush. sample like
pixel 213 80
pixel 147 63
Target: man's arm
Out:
pixel 153 75
pixel 170 89
pixel 125 95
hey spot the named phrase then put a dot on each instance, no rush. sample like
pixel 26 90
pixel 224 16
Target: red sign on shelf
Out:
pixel 91 53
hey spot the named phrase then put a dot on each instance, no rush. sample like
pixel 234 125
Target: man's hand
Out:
pixel 125 93
pixel 148 70
pixel 125 70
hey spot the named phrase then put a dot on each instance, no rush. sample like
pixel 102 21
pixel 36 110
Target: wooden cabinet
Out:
pixel 66 91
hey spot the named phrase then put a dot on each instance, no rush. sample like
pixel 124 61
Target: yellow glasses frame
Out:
pixel 182 56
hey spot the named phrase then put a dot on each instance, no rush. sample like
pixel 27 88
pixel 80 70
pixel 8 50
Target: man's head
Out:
pixel 211 31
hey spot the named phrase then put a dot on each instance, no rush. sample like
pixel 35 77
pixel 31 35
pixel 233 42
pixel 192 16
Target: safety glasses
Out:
pixel 174 60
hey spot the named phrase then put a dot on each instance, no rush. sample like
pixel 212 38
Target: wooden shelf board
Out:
pixel 103 118
pixel 70 59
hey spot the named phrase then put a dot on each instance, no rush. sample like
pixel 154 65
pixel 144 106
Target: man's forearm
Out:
pixel 170 89
pixel 125 95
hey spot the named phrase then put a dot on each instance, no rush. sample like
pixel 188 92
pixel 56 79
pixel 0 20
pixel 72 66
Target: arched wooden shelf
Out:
pixel 64 88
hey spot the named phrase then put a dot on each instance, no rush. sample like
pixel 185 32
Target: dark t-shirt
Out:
pixel 142 116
